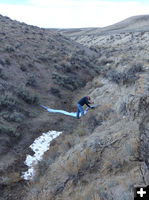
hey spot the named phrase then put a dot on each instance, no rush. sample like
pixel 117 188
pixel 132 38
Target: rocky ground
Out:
pixel 103 155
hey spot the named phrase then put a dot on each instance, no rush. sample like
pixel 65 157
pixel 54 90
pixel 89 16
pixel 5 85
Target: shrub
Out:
pixel 68 82
pixel 136 67
pixel 15 116
pixel 2 61
pixel 127 77
pixel 7 100
pixel 9 131
pixel 31 64
pixel 31 81
pixel 9 48
pixel 80 162
pixel 122 108
pixel 4 180
pixel 2 74
pixel 13 177
pixel 66 66
pixel 104 61
pixel 114 76
pixel 55 92
pixel 80 130
pixel 27 96
pixel 32 114
pixel 23 67
pixel 7 61
pixel 44 58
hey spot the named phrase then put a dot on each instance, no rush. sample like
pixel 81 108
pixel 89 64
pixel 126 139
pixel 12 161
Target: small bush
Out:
pixel 44 58
pixel 2 74
pixel 14 117
pixel 66 66
pixel 104 61
pixel 4 180
pixel 68 82
pixel 80 130
pixel 81 161
pixel 9 131
pixel 13 177
pixel 32 114
pixel 127 77
pixel 7 100
pixel 31 81
pixel 23 68
pixel 31 64
pixel 27 96
pixel 122 108
pixel 2 61
pixel 7 61
pixel 55 92
pixel 115 76
pixel 9 48
pixel 135 68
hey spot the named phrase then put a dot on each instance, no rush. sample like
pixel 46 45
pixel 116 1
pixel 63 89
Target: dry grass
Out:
pixel 86 193
pixel 81 161
pixel 10 178
pixel 141 83
pixel 80 130
pixel 96 83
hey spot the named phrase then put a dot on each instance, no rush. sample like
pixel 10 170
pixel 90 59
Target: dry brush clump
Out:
pixel 13 116
pixel 127 77
pixel 58 147
pixel 31 81
pixel 67 82
pixel 3 75
pixel 27 95
pixel 48 158
pixel 93 119
pixel 80 162
pixel 10 131
pixel 7 180
pixel 7 99
pixel 55 91
pixel 88 192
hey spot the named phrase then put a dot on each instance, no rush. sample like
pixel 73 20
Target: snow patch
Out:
pixel 40 146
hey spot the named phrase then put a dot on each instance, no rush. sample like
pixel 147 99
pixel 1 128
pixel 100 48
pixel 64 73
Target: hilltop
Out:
pixel 131 24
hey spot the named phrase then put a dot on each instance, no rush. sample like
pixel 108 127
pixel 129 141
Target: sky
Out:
pixel 72 13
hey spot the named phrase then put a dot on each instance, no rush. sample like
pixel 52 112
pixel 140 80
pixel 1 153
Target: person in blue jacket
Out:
pixel 81 102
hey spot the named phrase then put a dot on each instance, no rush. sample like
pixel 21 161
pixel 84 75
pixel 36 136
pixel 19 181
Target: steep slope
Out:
pixel 104 155
pixel 107 154
pixel 36 66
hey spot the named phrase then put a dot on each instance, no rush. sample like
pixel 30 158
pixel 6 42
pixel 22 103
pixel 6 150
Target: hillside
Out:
pixel 101 156
pixel 36 66
pixel 131 24
pixel 107 154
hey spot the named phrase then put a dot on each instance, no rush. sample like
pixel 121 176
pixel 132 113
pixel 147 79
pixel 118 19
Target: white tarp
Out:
pixel 73 114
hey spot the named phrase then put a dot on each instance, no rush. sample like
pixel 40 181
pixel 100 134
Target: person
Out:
pixel 85 100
